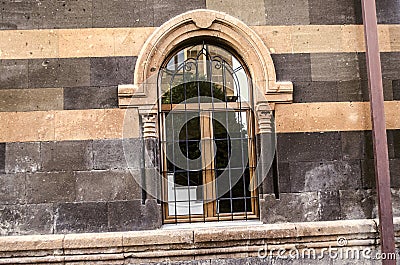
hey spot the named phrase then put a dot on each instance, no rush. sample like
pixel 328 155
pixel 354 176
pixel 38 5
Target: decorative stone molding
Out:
pixel 149 125
pixel 188 244
pixel 264 117
pixel 149 122
pixel 204 23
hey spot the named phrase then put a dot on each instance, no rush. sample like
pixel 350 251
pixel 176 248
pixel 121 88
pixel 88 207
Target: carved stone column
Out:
pixel 266 145
pixel 151 176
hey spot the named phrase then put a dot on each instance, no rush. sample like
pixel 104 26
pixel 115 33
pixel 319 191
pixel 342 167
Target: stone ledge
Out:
pixel 185 244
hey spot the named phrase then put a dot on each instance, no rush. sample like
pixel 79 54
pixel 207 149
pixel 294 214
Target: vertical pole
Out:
pixel 381 157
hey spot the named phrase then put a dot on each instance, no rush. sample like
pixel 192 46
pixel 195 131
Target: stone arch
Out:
pixel 204 23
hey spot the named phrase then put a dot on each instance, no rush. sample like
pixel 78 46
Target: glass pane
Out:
pixel 204 71
pixel 185 195
pixel 238 199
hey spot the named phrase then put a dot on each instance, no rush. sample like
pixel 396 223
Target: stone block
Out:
pixel 75 244
pixel 352 145
pixel 396 143
pixel 61 72
pixel 330 205
pixel 86 217
pixel 368 173
pixel 22 246
pixel 251 12
pixel 358 204
pixel 291 207
pixel 368 147
pixel 66 14
pixel 368 144
pixel 390 143
pixel 31 99
pixel 394 173
pixel 313 39
pixel 11 218
pixel 96 124
pixel 396 202
pixel 50 187
pixel 12 189
pixel 93 42
pixel 26 219
pixel 292 67
pixel 394 37
pixel 14 73
pixel 111 71
pixel 390 65
pixel 66 156
pixel 109 154
pixel 90 97
pixel 128 41
pixel 334 66
pixel 143 15
pixel 22 157
pixel 287 12
pixel 349 90
pixel 117 154
pixel 22 14
pixel 135 13
pixel 103 71
pixel 333 12
pixel 284 177
pixel 266 186
pixel 325 176
pixel 28 44
pixel 362 65
pixel 126 68
pixel 43 73
pixel 125 215
pixel 152 215
pixel 396 89
pixel 167 9
pixel 26 126
pixel 388 11
pixel 2 157
pixel 109 185
pixel 74 72
pixel 102 14
pixel 387 89
pixel 315 92
pixel 307 146
pixel 39 219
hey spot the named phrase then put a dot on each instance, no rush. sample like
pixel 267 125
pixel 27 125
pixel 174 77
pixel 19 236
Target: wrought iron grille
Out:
pixel 206 137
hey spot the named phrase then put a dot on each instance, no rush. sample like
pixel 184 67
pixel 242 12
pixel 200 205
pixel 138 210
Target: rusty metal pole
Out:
pixel 381 158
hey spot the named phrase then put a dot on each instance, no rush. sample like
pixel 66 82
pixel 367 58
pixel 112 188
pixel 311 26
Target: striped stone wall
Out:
pixel 61 163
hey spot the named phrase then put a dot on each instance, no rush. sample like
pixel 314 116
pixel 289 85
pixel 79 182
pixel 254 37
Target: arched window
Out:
pixel 199 65
pixel 207 135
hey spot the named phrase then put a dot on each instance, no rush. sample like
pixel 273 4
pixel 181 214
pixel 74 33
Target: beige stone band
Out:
pixel 104 42
pixel 68 125
pixel 331 116
pixel 188 244
pixel 62 125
